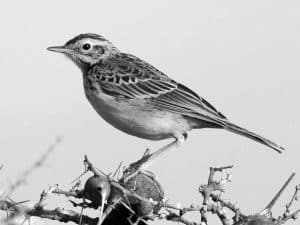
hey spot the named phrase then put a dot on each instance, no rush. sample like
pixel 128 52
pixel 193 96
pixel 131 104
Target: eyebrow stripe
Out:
pixel 88 35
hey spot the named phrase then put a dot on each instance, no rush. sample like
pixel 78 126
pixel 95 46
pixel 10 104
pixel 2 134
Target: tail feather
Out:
pixel 241 131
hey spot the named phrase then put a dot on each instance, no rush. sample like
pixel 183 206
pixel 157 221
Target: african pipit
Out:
pixel 140 100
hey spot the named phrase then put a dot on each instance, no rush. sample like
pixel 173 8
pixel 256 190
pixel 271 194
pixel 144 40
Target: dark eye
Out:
pixel 86 47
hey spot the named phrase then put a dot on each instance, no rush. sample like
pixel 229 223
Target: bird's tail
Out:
pixel 241 131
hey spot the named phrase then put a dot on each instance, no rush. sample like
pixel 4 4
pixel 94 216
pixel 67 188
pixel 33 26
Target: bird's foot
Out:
pixel 137 166
pixel 148 157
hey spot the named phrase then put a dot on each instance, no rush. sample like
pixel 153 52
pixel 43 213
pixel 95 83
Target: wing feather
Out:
pixel 131 77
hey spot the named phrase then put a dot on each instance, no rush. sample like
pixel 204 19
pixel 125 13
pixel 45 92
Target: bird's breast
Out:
pixel 136 117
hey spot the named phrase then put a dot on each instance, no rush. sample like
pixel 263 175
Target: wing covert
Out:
pixel 128 76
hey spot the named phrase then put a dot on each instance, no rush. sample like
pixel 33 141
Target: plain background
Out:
pixel 242 56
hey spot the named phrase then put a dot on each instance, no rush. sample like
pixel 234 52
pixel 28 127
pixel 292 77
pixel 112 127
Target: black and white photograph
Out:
pixel 149 112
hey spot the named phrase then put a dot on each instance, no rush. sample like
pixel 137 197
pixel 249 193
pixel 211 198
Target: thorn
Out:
pixel 117 170
pixel 269 207
pixel 103 198
pixel 77 178
pixel 147 152
pixel 100 171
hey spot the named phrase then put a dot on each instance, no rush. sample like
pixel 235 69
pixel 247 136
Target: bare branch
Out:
pixel 119 186
pixel 287 215
pixel 70 193
pixel 228 205
pixel 212 185
pixel 125 192
pixel 39 163
pixel 269 207
pixel 59 214
pixel 293 200
pixel 291 216
pixel 177 218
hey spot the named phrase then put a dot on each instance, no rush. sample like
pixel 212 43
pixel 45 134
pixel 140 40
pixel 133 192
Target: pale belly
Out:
pixel 136 118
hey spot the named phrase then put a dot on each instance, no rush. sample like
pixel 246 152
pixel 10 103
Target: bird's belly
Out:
pixel 135 118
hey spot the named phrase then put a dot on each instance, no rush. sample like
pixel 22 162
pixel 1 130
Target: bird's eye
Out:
pixel 86 47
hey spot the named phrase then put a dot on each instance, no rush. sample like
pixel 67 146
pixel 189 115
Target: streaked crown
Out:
pixel 86 49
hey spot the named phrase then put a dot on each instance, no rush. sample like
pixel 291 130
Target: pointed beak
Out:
pixel 61 49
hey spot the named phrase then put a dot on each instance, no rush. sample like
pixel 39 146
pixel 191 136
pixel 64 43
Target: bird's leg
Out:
pixel 158 153
pixel 139 219
pixel 148 158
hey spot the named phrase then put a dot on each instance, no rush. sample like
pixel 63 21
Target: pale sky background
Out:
pixel 242 56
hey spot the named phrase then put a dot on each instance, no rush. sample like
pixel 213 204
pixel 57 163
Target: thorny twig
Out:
pixel 43 198
pixel 117 185
pixel 110 208
pixel 207 190
pixel 23 177
pixel 70 193
pixel 213 185
pixel 287 215
pixel 212 202
pixel 147 159
pixel 268 209
pixel 216 206
pixel 178 218
pixel 227 204
pixel 59 214
pixel 293 200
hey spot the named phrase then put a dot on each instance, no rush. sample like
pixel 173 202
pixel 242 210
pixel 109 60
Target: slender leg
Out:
pixel 148 158
pixel 158 153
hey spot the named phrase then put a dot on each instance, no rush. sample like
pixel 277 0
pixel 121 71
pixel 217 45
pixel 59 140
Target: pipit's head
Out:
pixel 86 49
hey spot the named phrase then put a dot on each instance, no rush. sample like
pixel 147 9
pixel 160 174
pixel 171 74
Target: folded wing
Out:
pixel 128 76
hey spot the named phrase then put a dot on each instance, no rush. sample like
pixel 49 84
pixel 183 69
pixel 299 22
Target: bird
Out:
pixel 138 99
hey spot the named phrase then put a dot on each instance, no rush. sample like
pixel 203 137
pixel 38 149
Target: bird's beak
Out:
pixel 61 49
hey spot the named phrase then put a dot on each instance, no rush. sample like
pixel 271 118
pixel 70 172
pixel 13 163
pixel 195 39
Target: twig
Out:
pixel 211 192
pixel 293 216
pixel 228 205
pixel 221 213
pixel 203 212
pixel 147 159
pixel 176 218
pixel 182 210
pixel 213 170
pixel 110 207
pixel 58 214
pixel 119 186
pixel 22 179
pixel 216 206
pixel 294 198
pixel 44 196
pixel 116 173
pixel 287 215
pixel 213 185
pixel 70 193
pixel 269 207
